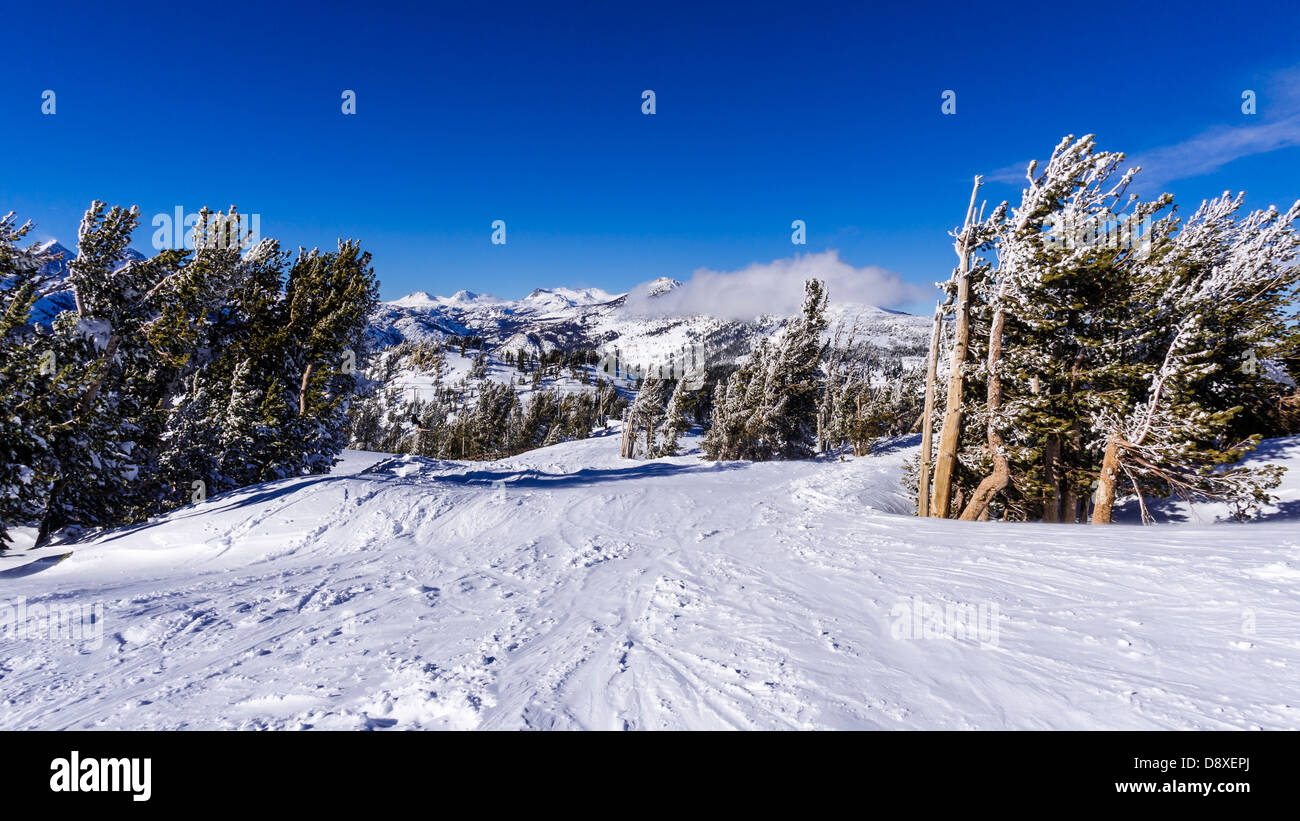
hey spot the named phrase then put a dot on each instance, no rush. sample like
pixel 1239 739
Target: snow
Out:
pixel 568 318
pixel 562 298
pixel 568 588
pixel 460 299
pixel 660 286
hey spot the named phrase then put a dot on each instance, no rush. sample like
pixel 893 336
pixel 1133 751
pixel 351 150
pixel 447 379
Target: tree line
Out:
pixel 476 416
pixel 187 374
pixel 808 393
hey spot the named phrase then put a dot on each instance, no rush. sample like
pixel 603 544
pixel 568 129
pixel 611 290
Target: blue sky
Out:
pixel 783 111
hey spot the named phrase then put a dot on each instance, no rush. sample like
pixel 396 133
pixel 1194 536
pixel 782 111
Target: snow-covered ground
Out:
pixel 566 588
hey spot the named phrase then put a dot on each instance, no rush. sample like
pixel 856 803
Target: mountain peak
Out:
pixel 662 285
pixel 568 297
pixel 53 246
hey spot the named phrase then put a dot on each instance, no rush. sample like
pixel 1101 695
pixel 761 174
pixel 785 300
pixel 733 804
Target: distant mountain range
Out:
pixel 550 319
pixel 565 318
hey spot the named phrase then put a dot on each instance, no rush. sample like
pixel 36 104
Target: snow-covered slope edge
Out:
pixel 567 588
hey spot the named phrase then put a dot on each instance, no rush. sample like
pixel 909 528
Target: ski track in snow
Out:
pixel 586 591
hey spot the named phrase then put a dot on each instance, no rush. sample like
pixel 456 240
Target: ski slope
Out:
pixel 566 588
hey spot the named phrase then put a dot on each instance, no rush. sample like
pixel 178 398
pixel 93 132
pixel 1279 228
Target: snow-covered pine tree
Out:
pixel 1223 284
pixel 717 438
pixel 756 404
pixel 675 421
pixel 770 405
pixel 99 439
pixel 795 383
pixel 843 367
pixel 648 410
pixel 27 369
pixel 328 299
pixel 1074 189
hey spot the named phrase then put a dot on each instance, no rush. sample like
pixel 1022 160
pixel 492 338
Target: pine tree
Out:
pixel 27 367
pixel 794 386
pixel 1223 283
pixel 675 422
pixel 648 410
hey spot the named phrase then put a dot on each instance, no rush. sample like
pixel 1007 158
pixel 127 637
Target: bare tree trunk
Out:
pixel 927 427
pixel 629 434
pixel 951 432
pixel 1106 482
pixel 302 389
pixel 992 484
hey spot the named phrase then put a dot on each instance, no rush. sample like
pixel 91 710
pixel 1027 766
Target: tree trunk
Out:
pixel 43 533
pixel 1069 506
pixel 1073 508
pixel 992 484
pixel 1106 482
pixel 1052 501
pixel 629 435
pixel 950 435
pixel 302 390
pixel 927 427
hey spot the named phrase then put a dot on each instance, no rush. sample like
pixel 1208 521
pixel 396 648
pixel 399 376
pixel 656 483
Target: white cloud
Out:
pixel 776 288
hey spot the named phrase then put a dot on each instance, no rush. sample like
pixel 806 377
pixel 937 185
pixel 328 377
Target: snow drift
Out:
pixel 566 588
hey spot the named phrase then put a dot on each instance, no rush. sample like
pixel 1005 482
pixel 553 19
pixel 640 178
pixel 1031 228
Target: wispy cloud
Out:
pixel 1211 150
pixel 776 288
pixel 1278 127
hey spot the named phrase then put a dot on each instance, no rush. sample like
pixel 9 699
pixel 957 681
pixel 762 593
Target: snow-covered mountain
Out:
pixel 569 319
pixel 565 319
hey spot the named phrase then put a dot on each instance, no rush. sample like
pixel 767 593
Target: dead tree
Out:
pixel 964 245
pixel 927 427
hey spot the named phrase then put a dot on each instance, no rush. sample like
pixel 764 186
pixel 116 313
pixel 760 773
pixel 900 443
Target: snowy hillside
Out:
pixel 567 588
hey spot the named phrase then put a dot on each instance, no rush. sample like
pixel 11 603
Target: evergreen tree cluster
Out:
pixel 477 416
pixel 804 394
pixel 176 377
pixel 1104 359
pixel 867 396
